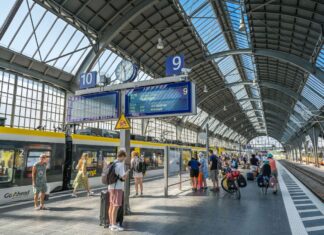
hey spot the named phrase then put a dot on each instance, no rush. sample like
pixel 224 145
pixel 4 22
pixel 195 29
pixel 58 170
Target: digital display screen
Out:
pixel 166 99
pixel 93 107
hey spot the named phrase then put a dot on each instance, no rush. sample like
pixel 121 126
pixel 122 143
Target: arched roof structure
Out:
pixel 280 49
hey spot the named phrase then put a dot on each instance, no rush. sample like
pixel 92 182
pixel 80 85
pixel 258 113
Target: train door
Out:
pixel 6 165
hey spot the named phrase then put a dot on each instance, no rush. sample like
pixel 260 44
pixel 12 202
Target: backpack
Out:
pixel 260 181
pixel 109 175
pixel 139 166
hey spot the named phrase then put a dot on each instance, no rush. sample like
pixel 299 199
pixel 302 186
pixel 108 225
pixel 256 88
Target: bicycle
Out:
pixel 229 182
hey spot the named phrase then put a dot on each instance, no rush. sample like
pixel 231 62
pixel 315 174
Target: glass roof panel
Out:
pixel 204 19
pixel 313 97
pixel 234 14
pixel 53 41
pixel 315 84
pixel 5 7
pixel 320 59
pixel 201 118
pixel 241 94
pixel 294 119
pixel 255 92
pixel 303 110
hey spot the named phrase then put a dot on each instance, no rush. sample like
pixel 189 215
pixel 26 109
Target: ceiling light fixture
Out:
pixel 160 45
pixel 242 25
pixel 254 82
pixel 205 89
pixel 234 119
pixel 225 109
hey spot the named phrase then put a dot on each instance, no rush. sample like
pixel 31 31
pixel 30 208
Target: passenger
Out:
pixel 245 161
pixel 203 169
pixel 116 191
pixel 266 169
pixel 82 178
pixel 274 171
pixel 39 182
pixel 234 163
pixel 254 164
pixel 194 172
pixel 214 166
pixel 265 172
pixel 138 167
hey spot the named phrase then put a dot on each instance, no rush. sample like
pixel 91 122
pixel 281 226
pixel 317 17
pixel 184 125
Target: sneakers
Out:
pixel 116 228
pixel 141 194
pixel 90 193
pixel 74 195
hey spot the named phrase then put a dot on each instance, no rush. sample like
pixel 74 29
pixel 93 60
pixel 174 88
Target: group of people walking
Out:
pixel 39 180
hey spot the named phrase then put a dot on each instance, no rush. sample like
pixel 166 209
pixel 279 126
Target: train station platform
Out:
pixel 294 210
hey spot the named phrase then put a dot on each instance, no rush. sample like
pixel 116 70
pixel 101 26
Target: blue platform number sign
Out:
pixel 88 80
pixel 174 65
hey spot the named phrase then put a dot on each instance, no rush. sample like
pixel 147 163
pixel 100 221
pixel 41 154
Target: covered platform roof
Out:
pixel 265 78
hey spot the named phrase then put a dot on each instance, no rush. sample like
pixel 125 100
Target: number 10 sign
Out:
pixel 174 64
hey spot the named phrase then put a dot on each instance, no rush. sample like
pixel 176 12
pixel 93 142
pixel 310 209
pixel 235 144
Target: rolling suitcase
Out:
pixel 104 208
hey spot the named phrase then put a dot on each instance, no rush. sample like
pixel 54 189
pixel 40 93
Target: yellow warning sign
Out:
pixel 122 123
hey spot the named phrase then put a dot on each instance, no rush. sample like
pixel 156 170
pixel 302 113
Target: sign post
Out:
pixel 125 144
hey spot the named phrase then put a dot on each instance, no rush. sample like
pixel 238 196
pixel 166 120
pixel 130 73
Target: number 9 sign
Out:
pixel 174 64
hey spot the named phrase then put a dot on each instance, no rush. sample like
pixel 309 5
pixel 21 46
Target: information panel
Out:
pixel 93 107
pixel 161 100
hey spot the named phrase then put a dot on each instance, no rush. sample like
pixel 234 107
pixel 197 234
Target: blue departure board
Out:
pixel 161 100
pixel 93 107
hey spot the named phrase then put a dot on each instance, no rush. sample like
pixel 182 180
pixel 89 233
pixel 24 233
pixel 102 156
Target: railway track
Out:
pixel 314 182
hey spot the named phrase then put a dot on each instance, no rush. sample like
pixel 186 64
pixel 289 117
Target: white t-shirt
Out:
pixel 119 170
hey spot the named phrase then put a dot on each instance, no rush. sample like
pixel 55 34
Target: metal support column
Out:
pixel 315 144
pixel 166 171
pixel 125 144
pixel 207 140
pixel 13 112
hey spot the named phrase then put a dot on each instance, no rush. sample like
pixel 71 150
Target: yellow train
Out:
pixel 21 148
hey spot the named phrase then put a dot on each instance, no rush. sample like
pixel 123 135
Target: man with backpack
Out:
pixel 214 166
pixel 116 177
pixel 138 166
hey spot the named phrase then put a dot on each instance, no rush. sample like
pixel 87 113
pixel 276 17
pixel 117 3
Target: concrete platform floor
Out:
pixel 184 212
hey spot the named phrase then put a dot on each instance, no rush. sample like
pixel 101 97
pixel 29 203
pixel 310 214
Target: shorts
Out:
pixel 42 188
pixel 214 175
pixel 116 197
pixel 254 168
pixel 194 172
pixel 137 174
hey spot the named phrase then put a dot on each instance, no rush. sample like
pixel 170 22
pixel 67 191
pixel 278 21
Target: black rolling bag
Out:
pixel 104 207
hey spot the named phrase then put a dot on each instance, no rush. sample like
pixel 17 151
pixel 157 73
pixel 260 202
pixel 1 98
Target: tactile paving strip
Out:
pixel 311 216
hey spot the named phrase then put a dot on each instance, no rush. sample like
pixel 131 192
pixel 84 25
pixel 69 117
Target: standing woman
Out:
pixel 137 165
pixel 39 181
pixel 82 178
pixel 204 168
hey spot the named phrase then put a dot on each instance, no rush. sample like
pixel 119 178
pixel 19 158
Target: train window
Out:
pixel 109 156
pixel 92 162
pixel 6 165
pixel 33 157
